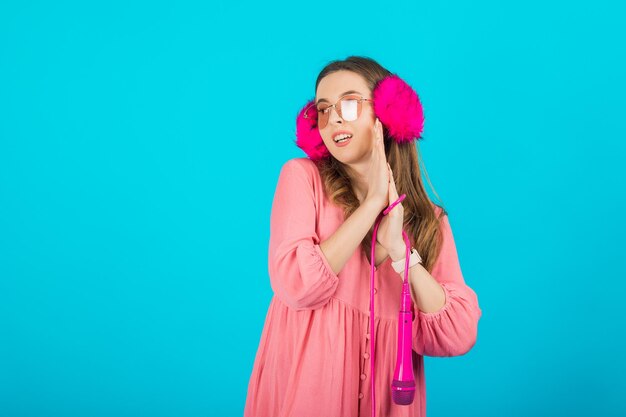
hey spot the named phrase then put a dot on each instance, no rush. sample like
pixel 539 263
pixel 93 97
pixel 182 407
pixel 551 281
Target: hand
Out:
pixel 378 172
pixel 389 233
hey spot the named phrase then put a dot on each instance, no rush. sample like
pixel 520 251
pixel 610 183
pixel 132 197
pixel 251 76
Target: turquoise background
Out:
pixel 141 142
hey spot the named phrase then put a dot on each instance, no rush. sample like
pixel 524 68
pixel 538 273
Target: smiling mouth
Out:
pixel 342 138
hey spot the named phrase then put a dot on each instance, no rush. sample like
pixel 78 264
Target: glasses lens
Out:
pixel 322 116
pixel 349 109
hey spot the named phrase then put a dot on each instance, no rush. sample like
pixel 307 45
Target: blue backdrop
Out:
pixel 141 142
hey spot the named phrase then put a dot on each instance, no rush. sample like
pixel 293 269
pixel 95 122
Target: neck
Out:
pixel 358 177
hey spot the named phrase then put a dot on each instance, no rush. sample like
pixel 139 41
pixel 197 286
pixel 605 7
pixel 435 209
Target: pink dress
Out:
pixel 313 356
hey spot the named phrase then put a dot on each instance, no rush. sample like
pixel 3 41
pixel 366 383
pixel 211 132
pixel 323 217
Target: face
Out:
pixel 332 88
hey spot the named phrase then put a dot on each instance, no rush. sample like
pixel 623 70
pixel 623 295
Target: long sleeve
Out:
pixel 300 274
pixel 452 330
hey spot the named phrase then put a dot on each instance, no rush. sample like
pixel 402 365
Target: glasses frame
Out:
pixel 359 100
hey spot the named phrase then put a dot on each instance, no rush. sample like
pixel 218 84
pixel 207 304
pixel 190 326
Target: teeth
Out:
pixel 341 137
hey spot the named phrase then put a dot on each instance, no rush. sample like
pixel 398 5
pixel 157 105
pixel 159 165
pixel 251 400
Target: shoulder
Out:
pixel 301 169
pixel 440 211
pixel 441 214
pixel 300 165
pixel 300 179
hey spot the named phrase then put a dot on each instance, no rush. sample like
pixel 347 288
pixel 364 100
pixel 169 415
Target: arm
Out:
pixel 340 246
pixel 426 293
pixel 303 270
pixel 447 311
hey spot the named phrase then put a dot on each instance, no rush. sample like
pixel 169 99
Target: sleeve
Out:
pixel 452 330
pixel 300 274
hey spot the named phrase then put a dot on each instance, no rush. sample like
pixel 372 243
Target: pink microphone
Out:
pixel 403 384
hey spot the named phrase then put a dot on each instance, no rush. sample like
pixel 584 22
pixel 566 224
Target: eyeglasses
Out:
pixel 348 108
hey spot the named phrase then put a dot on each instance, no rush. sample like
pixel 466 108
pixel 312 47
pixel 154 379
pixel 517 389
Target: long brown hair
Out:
pixel 420 221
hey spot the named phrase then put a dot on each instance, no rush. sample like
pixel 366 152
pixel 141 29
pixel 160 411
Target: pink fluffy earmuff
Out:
pixel 396 105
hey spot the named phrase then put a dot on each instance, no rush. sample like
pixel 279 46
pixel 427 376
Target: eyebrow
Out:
pixel 342 94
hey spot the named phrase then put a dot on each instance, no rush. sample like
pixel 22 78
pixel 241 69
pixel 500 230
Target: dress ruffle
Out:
pixel 310 370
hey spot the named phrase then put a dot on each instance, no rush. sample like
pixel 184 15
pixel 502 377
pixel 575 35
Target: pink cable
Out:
pixel 405 289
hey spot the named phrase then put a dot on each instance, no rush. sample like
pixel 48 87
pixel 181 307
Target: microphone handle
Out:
pixel 403 385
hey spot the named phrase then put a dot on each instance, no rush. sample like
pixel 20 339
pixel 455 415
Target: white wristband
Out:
pixel 414 259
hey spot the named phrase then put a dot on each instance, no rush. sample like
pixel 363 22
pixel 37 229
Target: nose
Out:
pixel 334 116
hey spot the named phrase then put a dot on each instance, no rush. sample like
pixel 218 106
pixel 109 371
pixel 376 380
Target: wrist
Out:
pixel 397 252
pixel 414 259
pixel 371 206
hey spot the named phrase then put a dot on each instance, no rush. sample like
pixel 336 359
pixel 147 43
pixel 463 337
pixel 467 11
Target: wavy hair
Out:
pixel 420 221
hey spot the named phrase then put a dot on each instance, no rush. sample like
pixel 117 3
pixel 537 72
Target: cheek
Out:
pixel 325 134
pixel 365 130
pixel 366 123
pixel 328 141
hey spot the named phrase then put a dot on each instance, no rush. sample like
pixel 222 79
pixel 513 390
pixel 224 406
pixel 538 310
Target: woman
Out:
pixel 313 356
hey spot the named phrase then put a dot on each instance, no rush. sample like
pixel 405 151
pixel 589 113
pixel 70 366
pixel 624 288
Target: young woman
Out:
pixel 314 354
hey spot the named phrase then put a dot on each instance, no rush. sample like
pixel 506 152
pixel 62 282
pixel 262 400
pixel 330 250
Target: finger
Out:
pixel 375 149
pixel 381 154
pixel 376 136
pixel 382 151
pixel 393 192
pixel 389 189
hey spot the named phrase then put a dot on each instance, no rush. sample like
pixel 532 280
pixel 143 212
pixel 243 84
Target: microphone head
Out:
pixel 403 392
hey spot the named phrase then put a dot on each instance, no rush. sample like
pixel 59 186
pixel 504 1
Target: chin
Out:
pixel 350 158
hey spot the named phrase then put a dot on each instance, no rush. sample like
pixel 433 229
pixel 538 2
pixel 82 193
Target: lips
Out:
pixel 340 132
pixel 344 143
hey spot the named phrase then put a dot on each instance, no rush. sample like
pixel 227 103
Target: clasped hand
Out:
pixel 382 184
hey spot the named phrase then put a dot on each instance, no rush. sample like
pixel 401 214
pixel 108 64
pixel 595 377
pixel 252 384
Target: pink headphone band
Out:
pixel 396 105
